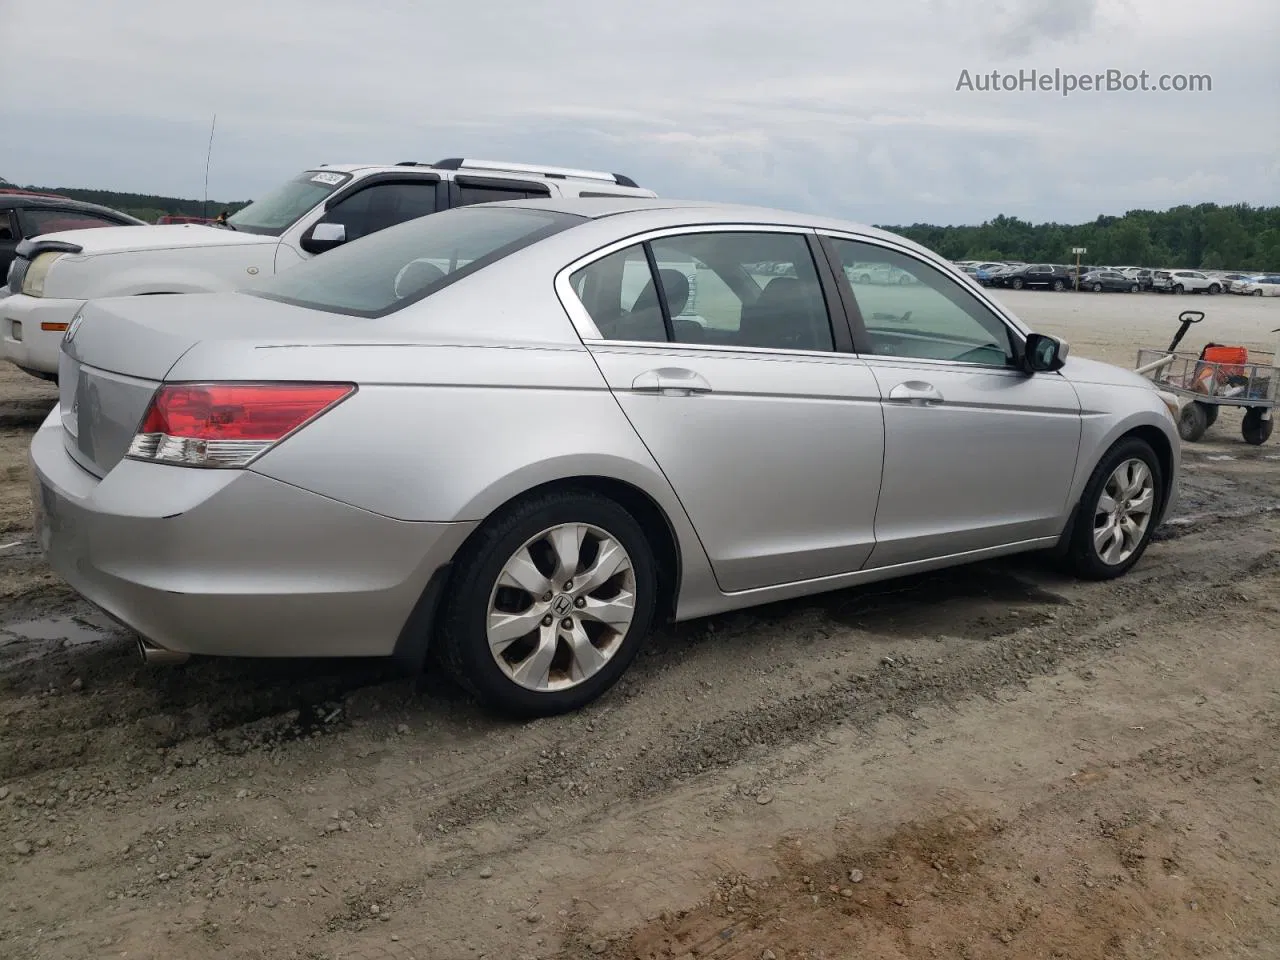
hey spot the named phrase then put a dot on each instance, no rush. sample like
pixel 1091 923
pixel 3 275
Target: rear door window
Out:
pixel 469 190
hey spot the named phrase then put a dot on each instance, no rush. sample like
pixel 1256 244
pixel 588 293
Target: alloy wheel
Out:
pixel 561 607
pixel 1123 512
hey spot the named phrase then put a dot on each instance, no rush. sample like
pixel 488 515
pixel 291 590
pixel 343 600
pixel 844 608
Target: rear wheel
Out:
pixel 1214 289
pixel 1117 512
pixel 1097 288
pixel 1177 288
pixel 1193 421
pixel 1256 293
pixel 1133 288
pixel 1057 285
pixel 1256 430
pixel 549 603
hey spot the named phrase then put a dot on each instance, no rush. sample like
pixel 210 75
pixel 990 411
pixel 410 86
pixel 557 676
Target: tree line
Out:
pixel 1206 236
pixel 146 206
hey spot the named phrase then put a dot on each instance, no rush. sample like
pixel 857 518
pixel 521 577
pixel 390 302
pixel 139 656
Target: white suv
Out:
pixel 1185 281
pixel 52 276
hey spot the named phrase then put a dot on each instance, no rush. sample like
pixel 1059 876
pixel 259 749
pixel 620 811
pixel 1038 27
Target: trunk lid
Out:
pixel 118 351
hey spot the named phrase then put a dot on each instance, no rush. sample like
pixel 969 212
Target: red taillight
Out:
pixel 227 424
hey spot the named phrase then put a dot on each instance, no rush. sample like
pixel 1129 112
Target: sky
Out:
pixel 842 107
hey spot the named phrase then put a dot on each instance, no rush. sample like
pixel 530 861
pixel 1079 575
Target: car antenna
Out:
pixel 208 158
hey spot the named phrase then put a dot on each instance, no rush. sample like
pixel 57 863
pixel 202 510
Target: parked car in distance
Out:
pixel 1185 281
pixel 1037 275
pixel 177 218
pixel 1101 280
pixel 314 212
pixel 1141 274
pixel 24 214
pixel 310 501
pixel 1227 279
pixel 1267 285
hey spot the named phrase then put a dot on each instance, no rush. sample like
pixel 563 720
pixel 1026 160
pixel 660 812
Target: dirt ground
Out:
pixel 993 762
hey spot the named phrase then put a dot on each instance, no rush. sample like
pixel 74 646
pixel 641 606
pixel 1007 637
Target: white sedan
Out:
pixel 1264 286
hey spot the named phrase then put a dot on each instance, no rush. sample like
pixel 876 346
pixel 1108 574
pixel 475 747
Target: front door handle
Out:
pixel 917 393
pixel 671 382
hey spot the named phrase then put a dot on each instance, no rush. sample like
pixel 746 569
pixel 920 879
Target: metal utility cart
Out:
pixel 1218 376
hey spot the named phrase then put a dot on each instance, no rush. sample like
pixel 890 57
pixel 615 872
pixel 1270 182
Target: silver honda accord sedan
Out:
pixel 523 433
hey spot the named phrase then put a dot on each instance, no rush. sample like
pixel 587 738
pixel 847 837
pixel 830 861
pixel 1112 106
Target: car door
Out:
pixel 978 454
pixel 720 348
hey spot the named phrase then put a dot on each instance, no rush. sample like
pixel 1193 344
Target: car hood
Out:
pixel 167 236
pixel 1081 370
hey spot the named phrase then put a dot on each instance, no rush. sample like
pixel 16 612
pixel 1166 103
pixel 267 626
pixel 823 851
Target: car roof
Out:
pixel 694 211
pixel 10 201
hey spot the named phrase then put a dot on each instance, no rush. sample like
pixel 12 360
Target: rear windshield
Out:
pixel 385 271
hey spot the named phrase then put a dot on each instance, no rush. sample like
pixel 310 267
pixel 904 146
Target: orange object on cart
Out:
pixel 1230 360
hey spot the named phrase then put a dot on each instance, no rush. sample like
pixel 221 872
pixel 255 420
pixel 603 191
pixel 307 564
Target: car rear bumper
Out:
pixel 229 562
pixel 31 331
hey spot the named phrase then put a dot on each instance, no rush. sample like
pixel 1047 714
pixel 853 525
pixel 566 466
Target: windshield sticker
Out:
pixel 332 179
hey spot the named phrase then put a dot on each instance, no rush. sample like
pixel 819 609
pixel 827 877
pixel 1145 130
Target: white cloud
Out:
pixel 818 104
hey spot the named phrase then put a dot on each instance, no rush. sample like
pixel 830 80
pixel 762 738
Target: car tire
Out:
pixel 1178 289
pixel 1255 430
pixel 477 595
pixel 1193 421
pixel 1214 289
pixel 1057 286
pixel 1210 413
pixel 1133 288
pixel 1097 288
pixel 864 278
pixel 1090 554
pixel 1256 293
pixel 1017 283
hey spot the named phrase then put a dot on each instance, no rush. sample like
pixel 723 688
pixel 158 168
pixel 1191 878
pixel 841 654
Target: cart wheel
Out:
pixel 1256 430
pixel 1210 412
pixel 1193 422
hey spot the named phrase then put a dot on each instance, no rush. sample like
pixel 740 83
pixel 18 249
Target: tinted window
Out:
pixel 383 205
pixel 404 263
pixel 610 290
pixel 280 209
pixel 929 317
pixel 475 193
pixel 8 229
pixel 743 289
pixel 37 222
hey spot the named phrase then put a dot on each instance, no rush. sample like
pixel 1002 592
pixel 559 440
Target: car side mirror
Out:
pixel 1044 354
pixel 324 236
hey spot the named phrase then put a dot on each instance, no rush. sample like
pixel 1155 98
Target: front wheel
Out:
pixel 549 604
pixel 1117 512
pixel 1133 288
pixel 1256 293
pixel 1256 430
pixel 1057 286
pixel 1214 289
pixel 1097 288
pixel 1017 283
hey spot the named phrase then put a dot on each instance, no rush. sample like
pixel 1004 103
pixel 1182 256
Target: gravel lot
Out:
pixel 990 762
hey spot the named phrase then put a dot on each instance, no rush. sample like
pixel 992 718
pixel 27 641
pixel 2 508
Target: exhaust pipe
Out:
pixel 159 656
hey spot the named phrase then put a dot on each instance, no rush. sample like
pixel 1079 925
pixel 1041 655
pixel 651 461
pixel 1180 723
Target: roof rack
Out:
pixel 502 166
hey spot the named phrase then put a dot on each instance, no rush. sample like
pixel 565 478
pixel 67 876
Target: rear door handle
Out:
pixel 917 393
pixel 671 382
